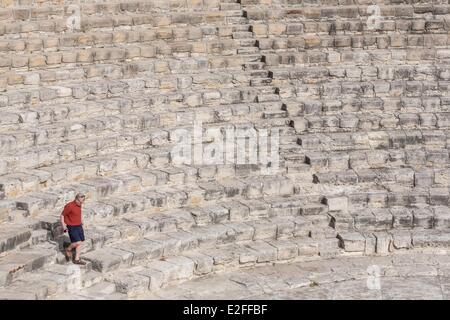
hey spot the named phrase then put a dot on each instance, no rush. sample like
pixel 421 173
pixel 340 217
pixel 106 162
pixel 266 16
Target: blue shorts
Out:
pixel 76 233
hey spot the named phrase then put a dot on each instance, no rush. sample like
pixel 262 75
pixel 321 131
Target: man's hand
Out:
pixel 63 224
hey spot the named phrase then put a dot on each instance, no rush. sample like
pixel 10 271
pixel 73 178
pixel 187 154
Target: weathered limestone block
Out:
pixel 263 251
pixel 257 208
pixel 237 211
pixel 427 238
pixel 130 282
pixel 352 241
pixel 264 229
pixel 423 217
pixel 383 243
pixel 336 203
pixel 285 249
pixel 285 227
pixel 104 260
pixel 232 187
pixel 441 217
pixel 243 231
pixel 401 239
pixel 12 237
pixel 203 264
pixel 403 217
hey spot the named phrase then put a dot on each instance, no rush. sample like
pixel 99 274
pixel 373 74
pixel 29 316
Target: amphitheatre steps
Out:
pixel 362 115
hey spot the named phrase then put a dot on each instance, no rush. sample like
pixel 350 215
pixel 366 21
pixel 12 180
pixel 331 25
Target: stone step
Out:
pixel 383 177
pixel 12 236
pixel 68 131
pixel 308 217
pixel 114 53
pixel 117 20
pixel 163 246
pixel 199 263
pixel 394 11
pixel 51 8
pixel 383 243
pixel 71 93
pixel 318 4
pixel 254 66
pixel 15 264
pixel 348 141
pixel 149 182
pixel 341 57
pixel 59 174
pixel 429 204
pixel 153 142
pixel 134 43
pixel 235 6
pixel 152 276
pixel 130 106
pixel 329 162
pixel 260 82
pixel 157 144
pixel 406 111
pixel 310 74
pixel 247 50
pixel 132 225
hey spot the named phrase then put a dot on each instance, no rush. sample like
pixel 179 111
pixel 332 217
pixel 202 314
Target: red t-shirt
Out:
pixel 72 214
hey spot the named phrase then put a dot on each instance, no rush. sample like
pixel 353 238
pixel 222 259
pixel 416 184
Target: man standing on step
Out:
pixel 71 222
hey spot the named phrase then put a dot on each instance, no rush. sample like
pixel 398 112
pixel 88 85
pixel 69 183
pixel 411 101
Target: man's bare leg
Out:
pixel 70 248
pixel 77 250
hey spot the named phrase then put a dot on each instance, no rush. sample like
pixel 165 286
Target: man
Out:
pixel 71 222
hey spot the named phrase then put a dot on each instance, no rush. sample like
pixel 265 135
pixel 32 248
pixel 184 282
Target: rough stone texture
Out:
pixel 105 105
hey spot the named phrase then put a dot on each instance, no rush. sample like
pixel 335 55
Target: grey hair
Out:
pixel 80 195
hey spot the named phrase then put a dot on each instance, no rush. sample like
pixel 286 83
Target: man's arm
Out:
pixel 63 224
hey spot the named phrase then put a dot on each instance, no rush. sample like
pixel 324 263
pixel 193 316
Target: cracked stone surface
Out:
pixel 101 100
pixel 355 278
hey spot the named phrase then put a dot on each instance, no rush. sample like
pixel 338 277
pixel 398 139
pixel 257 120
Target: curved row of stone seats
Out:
pixel 236 32
pixel 134 218
pixel 38 62
pixel 385 176
pixel 316 32
pixel 344 13
pixel 419 99
pixel 140 99
pixel 37 10
pixel 152 276
pixel 73 91
pixel 154 142
pixel 97 189
pixel 128 78
pixel 123 21
pixel 19 262
pixel 261 282
pixel 394 42
pixel 381 209
pixel 197 40
pixel 404 218
pixel 343 3
pixel 165 198
pixel 19 127
pixel 163 245
pixel 206 260
pixel 349 141
pixel 49 11
pixel 170 221
pixel 370 166
pixel 353 122
pixel 386 242
pixel 365 162
pixel 311 77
